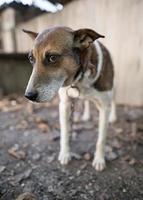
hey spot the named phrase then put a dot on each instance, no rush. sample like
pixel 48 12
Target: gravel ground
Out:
pixel 29 146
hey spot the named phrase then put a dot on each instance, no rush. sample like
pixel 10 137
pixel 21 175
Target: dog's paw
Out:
pixel 99 164
pixel 64 158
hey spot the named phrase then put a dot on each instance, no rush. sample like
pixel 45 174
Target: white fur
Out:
pixel 86 111
pixel 64 111
pixel 103 101
pixel 113 117
pixel 100 61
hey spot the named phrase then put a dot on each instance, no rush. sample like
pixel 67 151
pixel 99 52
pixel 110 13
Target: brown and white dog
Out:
pixel 74 64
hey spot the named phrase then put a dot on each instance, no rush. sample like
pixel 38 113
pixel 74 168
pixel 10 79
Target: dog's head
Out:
pixel 55 57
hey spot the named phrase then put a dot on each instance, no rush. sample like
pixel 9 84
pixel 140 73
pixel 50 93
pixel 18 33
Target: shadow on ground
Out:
pixel 29 146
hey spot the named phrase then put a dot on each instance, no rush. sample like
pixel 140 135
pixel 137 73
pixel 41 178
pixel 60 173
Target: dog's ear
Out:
pixel 32 34
pixel 84 37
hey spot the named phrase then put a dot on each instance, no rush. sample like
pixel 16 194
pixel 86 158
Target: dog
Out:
pixel 75 65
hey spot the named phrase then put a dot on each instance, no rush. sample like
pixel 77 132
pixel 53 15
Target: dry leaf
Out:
pixel 27 196
pixel 132 161
pixel 43 127
pixel 19 154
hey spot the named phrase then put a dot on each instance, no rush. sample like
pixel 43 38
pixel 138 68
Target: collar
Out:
pixel 80 72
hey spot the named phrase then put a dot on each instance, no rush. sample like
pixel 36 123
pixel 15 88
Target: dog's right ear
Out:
pixel 84 37
pixel 32 34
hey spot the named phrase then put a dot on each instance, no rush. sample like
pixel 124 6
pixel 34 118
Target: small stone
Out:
pixel 19 177
pixel 78 172
pixel 51 158
pixel 2 168
pixel 111 156
pixel 36 156
pixel 75 156
pixel 87 156
pixel 124 190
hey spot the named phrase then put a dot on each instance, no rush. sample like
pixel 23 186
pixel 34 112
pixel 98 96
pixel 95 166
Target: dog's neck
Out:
pixel 89 63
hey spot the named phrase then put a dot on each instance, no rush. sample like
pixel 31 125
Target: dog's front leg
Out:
pixel 86 112
pixel 64 112
pixel 99 158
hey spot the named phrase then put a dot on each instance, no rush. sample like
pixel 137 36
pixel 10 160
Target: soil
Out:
pixel 29 147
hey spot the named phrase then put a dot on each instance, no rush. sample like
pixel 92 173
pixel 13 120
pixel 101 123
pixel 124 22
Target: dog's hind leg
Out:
pixel 113 116
pixel 86 111
pixel 99 158
pixel 64 112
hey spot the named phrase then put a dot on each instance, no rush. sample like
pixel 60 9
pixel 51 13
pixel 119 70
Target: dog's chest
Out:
pixel 82 91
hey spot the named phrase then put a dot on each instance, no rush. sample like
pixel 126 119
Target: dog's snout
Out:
pixel 32 95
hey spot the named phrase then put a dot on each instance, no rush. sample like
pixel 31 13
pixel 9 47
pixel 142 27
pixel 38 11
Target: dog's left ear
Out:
pixel 84 37
pixel 32 34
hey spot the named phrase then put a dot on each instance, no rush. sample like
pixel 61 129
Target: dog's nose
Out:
pixel 32 95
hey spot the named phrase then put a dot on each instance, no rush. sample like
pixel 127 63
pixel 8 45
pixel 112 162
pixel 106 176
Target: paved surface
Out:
pixel 29 146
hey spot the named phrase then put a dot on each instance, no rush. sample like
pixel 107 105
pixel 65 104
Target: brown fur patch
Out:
pixel 56 40
pixel 105 81
pixel 89 60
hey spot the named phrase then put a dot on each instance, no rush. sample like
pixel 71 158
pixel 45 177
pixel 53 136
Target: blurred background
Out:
pixel 120 22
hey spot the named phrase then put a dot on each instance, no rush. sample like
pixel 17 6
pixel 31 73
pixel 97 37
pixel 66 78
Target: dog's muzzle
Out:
pixel 45 91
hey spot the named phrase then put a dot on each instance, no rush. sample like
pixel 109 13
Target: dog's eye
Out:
pixel 51 58
pixel 31 58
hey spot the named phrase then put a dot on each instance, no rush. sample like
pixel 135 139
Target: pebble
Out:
pixel 87 156
pixel 36 156
pixel 2 168
pixel 111 156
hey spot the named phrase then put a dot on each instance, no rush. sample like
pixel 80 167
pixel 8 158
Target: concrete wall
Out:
pixel 14 73
pixel 7 22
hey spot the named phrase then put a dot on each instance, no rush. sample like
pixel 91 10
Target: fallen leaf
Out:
pixel 27 196
pixel 43 127
pixel 118 130
pixel 132 161
pixel 19 154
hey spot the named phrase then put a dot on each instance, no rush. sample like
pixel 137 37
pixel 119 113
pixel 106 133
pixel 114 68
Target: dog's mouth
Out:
pixel 49 90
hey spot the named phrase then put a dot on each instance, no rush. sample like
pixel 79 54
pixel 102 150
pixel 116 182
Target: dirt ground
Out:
pixel 29 146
